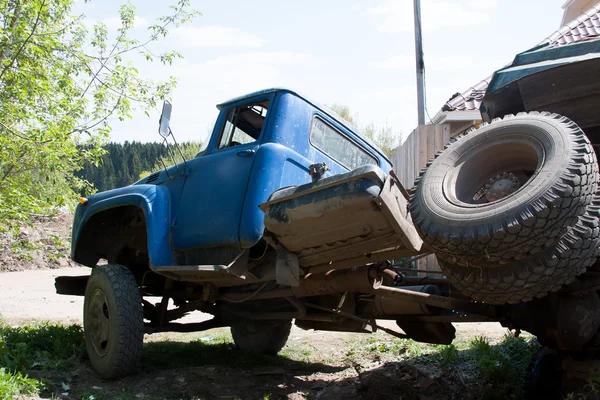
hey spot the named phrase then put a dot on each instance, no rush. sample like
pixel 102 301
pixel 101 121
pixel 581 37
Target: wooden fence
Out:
pixel 408 160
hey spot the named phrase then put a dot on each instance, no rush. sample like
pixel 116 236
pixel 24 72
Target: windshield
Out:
pixel 203 145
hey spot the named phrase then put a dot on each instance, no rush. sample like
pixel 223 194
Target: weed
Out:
pixel 47 347
pixel 449 355
pixel 413 349
pixel 15 384
pixel 44 346
pixel 92 396
pixel 480 345
pixel 501 367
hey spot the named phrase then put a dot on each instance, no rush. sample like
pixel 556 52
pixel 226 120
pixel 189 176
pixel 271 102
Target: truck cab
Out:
pixel 205 211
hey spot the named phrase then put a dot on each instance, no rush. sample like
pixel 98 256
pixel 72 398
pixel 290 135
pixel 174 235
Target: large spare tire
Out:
pixel 505 191
pixel 536 275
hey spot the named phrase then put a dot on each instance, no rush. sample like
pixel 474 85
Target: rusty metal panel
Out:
pixel 345 220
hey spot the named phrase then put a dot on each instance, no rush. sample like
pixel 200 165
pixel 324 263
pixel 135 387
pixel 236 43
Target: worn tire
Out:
pixel 113 321
pixel 266 337
pixel 537 275
pixel 564 176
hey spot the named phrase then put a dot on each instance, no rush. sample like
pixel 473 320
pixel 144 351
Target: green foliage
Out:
pixel 384 137
pixel 47 347
pixel 189 150
pixel 502 367
pixel 16 384
pixel 449 355
pixel 41 346
pixel 125 163
pixel 61 85
pixel 480 345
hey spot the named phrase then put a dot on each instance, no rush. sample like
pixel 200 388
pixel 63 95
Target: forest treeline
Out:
pixel 124 163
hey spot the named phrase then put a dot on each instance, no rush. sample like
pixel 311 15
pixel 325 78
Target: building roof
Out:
pixel 584 27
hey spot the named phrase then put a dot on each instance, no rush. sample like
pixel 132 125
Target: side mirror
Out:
pixel 165 120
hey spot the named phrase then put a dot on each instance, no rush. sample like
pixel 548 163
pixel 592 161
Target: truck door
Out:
pixel 213 195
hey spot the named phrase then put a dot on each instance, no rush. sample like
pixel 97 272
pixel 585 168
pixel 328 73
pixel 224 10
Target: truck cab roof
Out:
pixel 347 124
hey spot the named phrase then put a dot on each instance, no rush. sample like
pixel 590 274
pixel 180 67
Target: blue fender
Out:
pixel 151 199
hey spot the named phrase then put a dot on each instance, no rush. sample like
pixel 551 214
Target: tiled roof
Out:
pixel 584 27
pixel 470 99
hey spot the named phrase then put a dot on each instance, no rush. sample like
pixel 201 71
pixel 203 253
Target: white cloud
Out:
pixel 356 7
pixel 433 63
pixel 397 16
pixel 114 22
pixel 217 36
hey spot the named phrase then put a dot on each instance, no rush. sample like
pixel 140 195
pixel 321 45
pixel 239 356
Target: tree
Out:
pixel 384 137
pixel 188 151
pixel 60 84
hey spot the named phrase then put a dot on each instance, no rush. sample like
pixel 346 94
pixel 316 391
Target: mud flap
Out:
pixel 345 220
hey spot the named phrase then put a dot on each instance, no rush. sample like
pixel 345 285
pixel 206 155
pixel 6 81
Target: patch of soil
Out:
pixel 43 244
pixel 390 380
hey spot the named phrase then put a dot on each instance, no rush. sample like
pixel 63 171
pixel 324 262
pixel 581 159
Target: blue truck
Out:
pixel 289 214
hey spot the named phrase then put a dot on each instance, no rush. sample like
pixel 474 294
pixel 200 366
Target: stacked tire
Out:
pixel 511 209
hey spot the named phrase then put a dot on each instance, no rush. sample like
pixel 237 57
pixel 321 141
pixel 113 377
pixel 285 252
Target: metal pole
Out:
pixel 419 62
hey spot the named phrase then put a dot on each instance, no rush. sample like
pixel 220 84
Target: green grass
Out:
pixel 497 371
pixel 490 371
pixel 13 384
pixel 51 348
pixel 220 350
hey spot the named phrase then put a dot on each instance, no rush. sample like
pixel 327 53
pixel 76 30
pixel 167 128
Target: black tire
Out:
pixel 113 321
pixel 265 337
pixel 543 379
pixel 558 172
pixel 537 275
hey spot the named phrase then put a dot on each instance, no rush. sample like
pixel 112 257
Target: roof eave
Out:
pixel 444 117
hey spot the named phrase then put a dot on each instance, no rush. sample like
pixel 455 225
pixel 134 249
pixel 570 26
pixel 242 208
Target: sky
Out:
pixel 357 53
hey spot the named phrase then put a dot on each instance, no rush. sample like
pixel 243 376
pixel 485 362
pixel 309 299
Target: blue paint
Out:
pixel 152 200
pixel 212 201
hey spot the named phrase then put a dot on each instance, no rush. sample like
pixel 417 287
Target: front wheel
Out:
pixel 266 337
pixel 113 321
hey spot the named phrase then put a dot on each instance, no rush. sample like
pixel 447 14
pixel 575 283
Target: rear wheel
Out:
pixel 536 275
pixel 506 208
pixel 505 191
pixel 113 321
pixel 266 337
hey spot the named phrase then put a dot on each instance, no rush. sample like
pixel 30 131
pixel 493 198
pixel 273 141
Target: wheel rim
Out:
pixel 494 171
pixel 251 329
pixel 99 322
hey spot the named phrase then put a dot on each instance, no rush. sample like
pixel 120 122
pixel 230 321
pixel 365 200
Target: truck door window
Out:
pixel 243 124
pixel 338 146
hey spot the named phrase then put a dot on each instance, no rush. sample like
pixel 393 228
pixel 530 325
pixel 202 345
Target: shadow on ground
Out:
pixel 210 367
pixel 199 370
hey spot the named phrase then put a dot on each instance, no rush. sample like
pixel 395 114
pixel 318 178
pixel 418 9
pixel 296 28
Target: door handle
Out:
pixel 246 153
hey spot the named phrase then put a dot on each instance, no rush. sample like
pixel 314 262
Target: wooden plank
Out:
pixel 430 141
pixel 422 147
pixel 446 134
